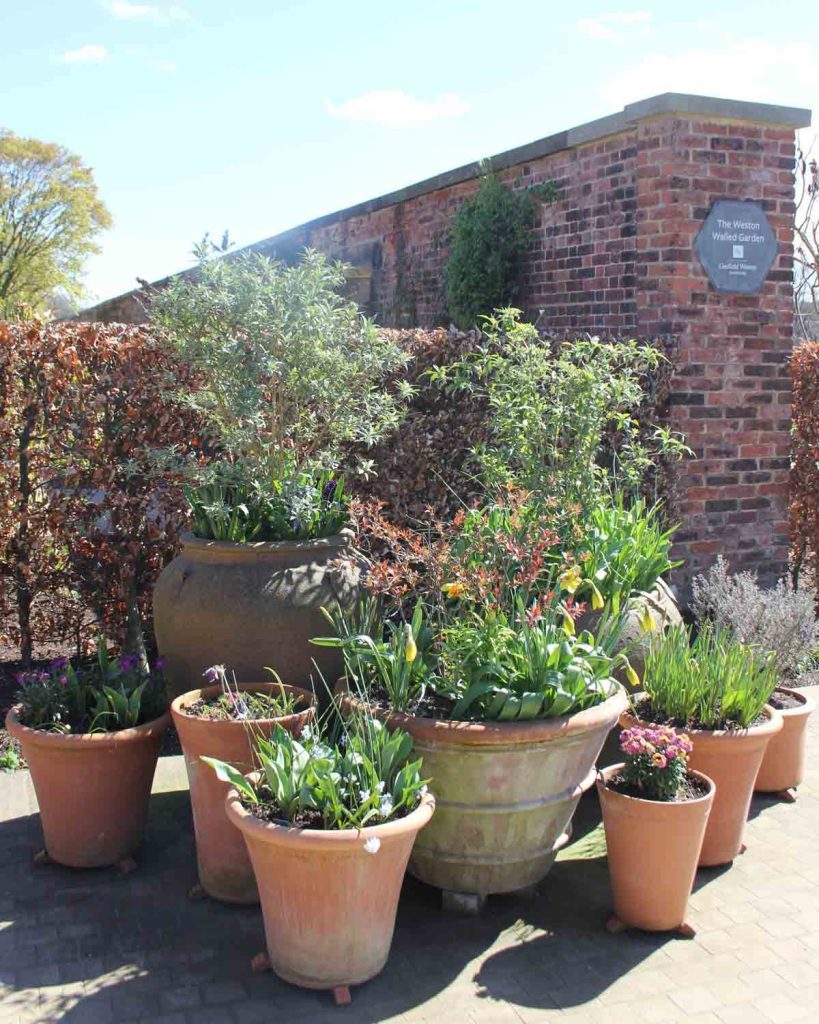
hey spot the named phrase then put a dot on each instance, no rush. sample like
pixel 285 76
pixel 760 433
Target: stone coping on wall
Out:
pixel 665 104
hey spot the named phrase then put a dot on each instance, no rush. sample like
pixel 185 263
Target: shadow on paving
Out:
pixel 96 946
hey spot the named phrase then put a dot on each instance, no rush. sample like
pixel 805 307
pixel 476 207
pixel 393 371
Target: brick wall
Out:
pixel 732 384
pixel 615 255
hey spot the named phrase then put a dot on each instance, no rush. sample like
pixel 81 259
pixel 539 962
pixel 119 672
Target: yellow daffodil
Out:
pixel 571 578
pixel 597 601
pixel 633 678
pixel 646 620
pixel 568 624
pixel 455 589
pixel 410 650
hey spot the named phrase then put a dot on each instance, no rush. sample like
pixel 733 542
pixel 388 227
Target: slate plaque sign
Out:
pixel 736 245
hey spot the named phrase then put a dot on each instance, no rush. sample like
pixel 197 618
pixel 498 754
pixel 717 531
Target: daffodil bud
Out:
pixel 597 601
pixel 410 650
pixel 646 620
pixel 568 624
pixel 633 678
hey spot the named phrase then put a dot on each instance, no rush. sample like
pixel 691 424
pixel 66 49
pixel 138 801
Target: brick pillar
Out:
pixel 731 394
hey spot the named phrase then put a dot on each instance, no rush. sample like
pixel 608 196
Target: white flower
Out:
pixel 380 787
pixel 365 794
pixel 372 845
pixel 385 807
pixel 306 733
pixel 423 790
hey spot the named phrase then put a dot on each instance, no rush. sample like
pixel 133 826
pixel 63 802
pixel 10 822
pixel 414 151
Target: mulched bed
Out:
pixel 784 701
pixel 261 707
pixel 691 789
pixel 9 667
pixel 646 713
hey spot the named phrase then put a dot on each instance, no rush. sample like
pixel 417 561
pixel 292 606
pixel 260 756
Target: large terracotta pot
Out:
pixel 329 906
pixel 783 766
pixel 506 793
pixel 92 790
pixel 225 871
pixel 250 606
pixel 731 759
pixel 653 848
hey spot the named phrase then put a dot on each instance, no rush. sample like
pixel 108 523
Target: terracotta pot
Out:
pixel 653 848
pixel 783 766
pixel 225 871
pixel 92 790
pixel 250 606
pixel 732 760
pixel 506 793
pixel 329 906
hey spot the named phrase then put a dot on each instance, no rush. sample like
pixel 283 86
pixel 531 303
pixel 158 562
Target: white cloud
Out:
pixel 149 12
pixel 394 108
pixel 165 65
pixel 746 70
pixel 90 54
pixel 609 27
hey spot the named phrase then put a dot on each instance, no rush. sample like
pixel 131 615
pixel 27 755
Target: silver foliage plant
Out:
pixel 780 619
pixel 290 371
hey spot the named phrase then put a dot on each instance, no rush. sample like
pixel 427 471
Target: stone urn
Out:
pixel 659 602
pixel 253 606
pixel 505 793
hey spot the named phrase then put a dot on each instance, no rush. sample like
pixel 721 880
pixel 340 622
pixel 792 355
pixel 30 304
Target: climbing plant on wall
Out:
pixel 489 235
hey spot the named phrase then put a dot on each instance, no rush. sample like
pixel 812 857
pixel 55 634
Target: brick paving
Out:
pixel 96 947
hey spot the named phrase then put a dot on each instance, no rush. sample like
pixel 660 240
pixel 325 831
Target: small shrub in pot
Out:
pixel 290 375
pixel 655 813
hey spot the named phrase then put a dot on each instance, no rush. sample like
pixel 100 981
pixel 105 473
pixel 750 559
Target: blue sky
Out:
pixel 256 115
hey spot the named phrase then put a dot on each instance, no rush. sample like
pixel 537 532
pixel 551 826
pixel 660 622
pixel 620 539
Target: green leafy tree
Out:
pixel 50 214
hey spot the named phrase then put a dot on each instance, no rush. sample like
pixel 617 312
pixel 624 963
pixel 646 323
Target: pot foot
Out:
pixel 341 994
pixel 259 963
pixel 787 796
pixel 196 892
pixel 41 857
pixel 742 848
pixel 126 865
pixel 686 930
pixel 614 925
pixel 471 903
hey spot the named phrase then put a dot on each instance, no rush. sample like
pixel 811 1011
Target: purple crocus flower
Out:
pixel 128 662
pixel 212 673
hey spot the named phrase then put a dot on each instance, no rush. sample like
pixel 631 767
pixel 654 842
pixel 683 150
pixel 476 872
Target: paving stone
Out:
pixel 97 948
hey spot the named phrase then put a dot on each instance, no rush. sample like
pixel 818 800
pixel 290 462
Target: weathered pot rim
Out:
pixel 444 730
pixel 806 704
pixel 75 742
pixel 604 774
pixel 313 838
pixel 771 727
pixel 179 704
pixel 195 545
